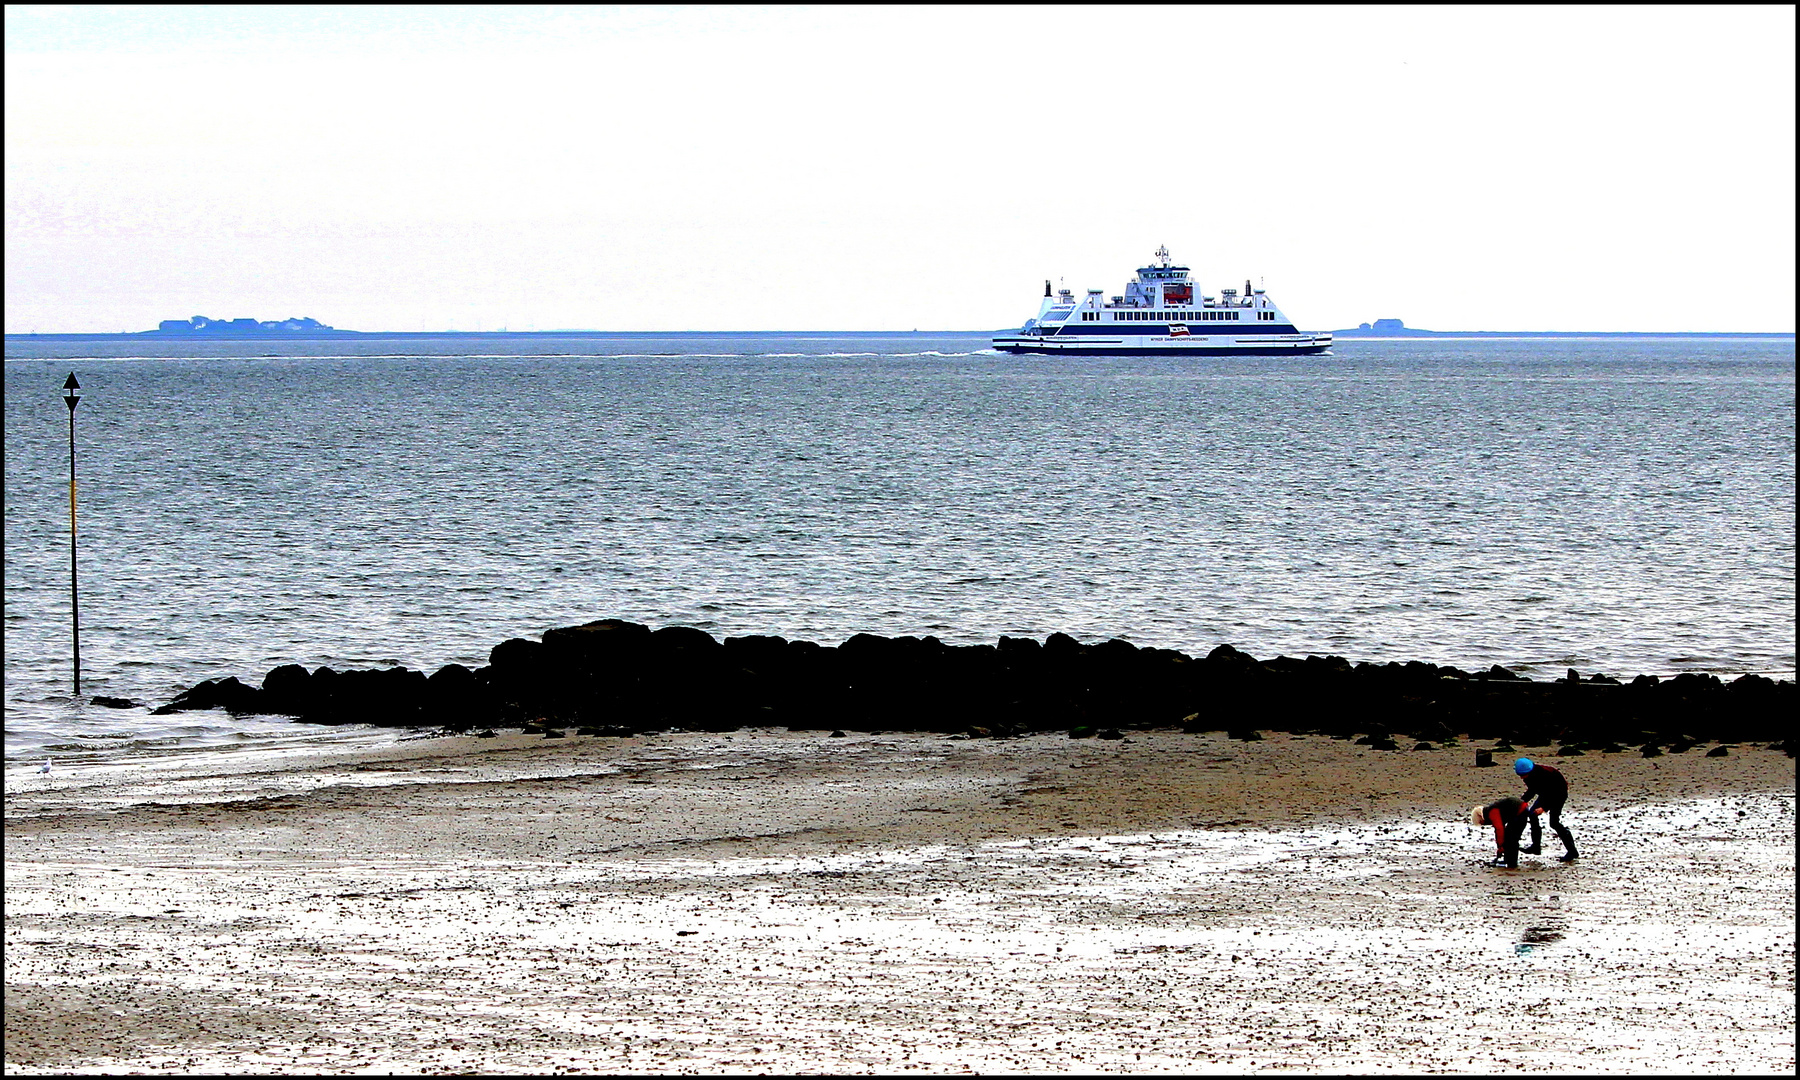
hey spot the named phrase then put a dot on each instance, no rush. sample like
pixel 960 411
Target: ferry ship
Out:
pixel 1160 314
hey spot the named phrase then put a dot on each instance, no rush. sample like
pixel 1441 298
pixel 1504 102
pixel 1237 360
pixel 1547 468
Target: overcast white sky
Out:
pixel 890 168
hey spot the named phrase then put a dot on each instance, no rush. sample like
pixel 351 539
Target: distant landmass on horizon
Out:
pixel 1387 328
pixel 202 326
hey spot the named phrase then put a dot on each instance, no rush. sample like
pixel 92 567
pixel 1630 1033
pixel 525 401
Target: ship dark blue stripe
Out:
pixel 1244 350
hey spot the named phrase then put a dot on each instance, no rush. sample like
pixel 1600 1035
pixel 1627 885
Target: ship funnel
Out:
pixel 1046 287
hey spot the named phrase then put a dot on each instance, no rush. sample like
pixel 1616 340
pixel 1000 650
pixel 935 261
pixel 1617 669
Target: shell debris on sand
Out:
pixel 789 902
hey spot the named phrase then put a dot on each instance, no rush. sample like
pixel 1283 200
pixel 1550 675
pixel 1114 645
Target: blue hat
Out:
pixel 1523 766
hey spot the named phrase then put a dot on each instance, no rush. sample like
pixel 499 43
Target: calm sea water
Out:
pixel 1624 507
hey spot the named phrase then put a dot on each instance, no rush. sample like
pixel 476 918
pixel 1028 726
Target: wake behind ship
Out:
pixel 1159 313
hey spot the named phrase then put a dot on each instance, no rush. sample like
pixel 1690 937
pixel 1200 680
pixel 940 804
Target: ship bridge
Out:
pixel 1162 284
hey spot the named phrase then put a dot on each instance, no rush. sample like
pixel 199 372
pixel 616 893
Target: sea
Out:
pixel 1620 506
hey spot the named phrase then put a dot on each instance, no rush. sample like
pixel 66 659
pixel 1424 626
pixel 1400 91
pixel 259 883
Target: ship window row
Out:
pixel 1167 315
pixel 1175 316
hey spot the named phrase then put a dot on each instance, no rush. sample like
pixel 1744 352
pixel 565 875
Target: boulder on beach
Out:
pixel 288 689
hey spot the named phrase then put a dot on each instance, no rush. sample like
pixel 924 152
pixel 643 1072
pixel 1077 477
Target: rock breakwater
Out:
pixel 613 677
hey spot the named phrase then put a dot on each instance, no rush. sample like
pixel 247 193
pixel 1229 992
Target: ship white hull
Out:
pixel 1165 345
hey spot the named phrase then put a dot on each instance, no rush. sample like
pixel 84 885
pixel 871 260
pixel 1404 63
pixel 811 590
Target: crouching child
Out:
pixel 1508 817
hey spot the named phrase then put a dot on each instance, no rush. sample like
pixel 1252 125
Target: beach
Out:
pixel 613 540
pixel 776 901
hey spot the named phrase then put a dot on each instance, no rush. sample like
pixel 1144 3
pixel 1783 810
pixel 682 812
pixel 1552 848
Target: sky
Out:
pixel 471 168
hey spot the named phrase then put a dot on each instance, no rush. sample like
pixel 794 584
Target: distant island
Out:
pixel 1391 328
pixel 202 324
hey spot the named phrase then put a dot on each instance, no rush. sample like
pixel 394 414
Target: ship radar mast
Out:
pixel 1162 255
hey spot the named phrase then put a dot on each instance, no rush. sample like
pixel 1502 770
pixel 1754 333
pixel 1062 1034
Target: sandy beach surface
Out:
pixel 772 901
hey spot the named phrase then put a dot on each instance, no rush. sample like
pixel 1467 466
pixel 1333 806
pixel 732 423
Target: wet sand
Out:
pixel 787 902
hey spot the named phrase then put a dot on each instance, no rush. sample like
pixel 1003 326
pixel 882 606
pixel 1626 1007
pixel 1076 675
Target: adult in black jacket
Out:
pixel 1545 793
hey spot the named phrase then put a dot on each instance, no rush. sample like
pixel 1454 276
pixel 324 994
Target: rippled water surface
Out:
pixel 1617 506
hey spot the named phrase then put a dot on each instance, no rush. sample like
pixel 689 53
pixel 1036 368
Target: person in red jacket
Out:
pixel 1507 817
pixel 1545 793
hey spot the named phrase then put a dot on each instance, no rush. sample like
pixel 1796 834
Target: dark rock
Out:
pixel 1081 732
pixel 1650 750
pixel 227 693
pixel 516 654
pixel 1719 751
pixel 487 735
pixel 1116 648
pixel 287 689
pixel 676 638
pixel 600 643
pixel 1384 744
pixel 1569 750
pixel 320 695
pixel 1110 733
pixel 1420 671
pixel 1695 681
pixel 1244 734
pixel 1424 746
pixel 458 698
pixel 1438 730
pixel 113 702
pixel 752 647
pixel 1484 759
pixel 1225 655
pixel 387 697
pixel 838 734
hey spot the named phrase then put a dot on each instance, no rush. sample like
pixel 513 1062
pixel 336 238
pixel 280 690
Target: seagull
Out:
pixel 44 768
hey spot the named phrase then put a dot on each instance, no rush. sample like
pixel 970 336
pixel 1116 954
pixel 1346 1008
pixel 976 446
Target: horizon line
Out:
pixel 1409 331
